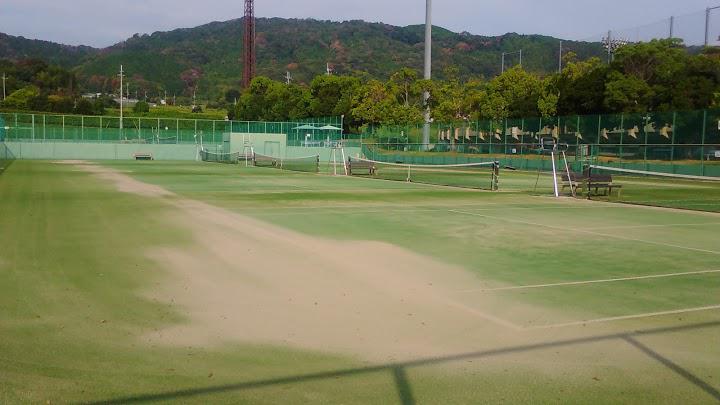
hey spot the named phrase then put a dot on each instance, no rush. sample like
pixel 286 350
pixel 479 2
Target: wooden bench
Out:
pixel 355 166
pixel 602 182
pixel 575 181
pixel 143 156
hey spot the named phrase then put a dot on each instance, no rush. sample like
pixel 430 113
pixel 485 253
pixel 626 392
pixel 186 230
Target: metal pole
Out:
pixel 4 77
pixel 609 46
pixel 672 141
pixel 121 100
pixel 560 59
pixel 672 26
pixel 428 69
pixel 521 58
pixel 702 146
pixel 502 63
pixel 707 26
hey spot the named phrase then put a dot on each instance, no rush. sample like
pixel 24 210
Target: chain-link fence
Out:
pixel 685 142
pixel 311 132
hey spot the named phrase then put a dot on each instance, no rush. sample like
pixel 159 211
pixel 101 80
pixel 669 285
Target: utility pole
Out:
pixel 428 70
pixel 4 77
pixel 502 68
pixel 288 78
pixel 121 99
pixel 328 70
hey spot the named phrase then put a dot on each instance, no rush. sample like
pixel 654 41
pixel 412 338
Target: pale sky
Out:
pixel 102 23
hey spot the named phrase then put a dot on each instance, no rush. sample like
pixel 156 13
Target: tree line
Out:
pixel 660 75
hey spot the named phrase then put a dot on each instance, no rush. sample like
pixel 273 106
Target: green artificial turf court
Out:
pixel 624 300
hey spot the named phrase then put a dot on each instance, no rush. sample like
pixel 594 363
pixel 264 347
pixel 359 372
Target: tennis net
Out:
pixel 6 157
pixel 484 176
pixel 219 157
pixel 308 164
pixel 655 188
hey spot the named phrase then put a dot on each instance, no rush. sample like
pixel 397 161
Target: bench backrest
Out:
pixel 600 178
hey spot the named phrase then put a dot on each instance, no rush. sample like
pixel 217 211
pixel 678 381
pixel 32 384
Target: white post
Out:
pixel 428 70
pixel 121 100
pixel 555 182
pixel 560 59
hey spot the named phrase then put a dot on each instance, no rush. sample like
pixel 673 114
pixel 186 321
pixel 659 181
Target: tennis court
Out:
pixel 285 285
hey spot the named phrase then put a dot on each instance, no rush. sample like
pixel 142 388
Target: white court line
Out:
pixel 474 207
pixel 620 318
pixel 606 235
pixel 649 226
pixel 609 280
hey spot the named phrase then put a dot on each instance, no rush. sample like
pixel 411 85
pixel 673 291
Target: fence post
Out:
pixel 63 127
pixel 33 127
pixel 702 144
pixel 177 131
pixel 44 127
pixel 622 135
pixel 672 148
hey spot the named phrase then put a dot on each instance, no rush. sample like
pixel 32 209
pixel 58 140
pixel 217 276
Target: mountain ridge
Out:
pixel 206 58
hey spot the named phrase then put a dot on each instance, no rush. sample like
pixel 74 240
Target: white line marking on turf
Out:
pixel 606 235
pixel 649 226
pixel 609 280
pixel 620 318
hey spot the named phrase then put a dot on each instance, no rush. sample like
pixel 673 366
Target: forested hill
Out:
pixel 208 57
pixel 17 48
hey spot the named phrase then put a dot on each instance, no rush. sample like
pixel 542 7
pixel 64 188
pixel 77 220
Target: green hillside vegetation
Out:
pixel 17 48
pixel 376 78
pixel 207 58
pixel 656 76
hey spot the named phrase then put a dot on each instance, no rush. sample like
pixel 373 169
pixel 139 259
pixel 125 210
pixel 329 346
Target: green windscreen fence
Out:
pixel 682 142
pixel 311 132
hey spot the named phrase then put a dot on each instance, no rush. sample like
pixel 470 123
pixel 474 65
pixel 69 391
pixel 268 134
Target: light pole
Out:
pixel 612 45
pixel 707 23
pixel 428 70
pixel 4 77
pixel 121 99
pixel 560 59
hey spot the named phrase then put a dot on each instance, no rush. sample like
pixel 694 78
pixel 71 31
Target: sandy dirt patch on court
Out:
pixel 122 182
pixel 244 280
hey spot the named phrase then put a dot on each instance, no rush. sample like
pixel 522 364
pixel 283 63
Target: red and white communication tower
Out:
pixel 249 44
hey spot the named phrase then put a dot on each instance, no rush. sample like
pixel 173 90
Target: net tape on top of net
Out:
pixel 459 165
pixel 655 174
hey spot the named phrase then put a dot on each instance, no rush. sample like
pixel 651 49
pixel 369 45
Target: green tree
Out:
pixel 22 99
pixel 628 94
pixel 141 107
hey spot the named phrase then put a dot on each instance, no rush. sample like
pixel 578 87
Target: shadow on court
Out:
pixel 402 383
